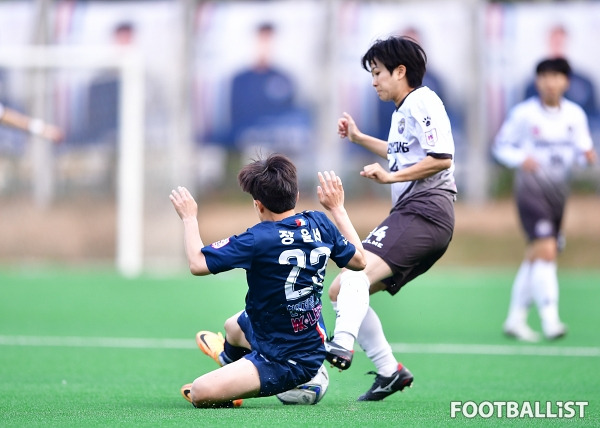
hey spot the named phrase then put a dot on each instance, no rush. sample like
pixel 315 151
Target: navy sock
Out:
pixel 233 353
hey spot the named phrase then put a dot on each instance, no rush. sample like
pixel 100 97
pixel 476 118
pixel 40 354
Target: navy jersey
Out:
pixel 285 264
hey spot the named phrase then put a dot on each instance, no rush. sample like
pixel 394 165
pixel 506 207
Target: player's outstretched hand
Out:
pixel 184 203
pixel 347 127
pixel 331 191
pixel 53 133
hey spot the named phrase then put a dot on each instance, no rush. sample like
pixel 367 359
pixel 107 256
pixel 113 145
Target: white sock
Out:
pixel 545 291
pixel 521 296
pixel 352 305
pixel 372 340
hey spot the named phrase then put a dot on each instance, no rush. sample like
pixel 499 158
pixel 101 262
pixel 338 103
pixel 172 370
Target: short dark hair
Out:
pixel 272 181
pixel 554 65
pixel 395 51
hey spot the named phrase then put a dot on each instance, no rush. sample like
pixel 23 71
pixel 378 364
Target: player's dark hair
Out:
pixel 554 65
pixel 272 181
pixel 395 51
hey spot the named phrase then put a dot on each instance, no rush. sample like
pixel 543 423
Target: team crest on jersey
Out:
pixel 300 222
pixel 220 244
pixel 427 121
pixel 401 126
pixel 431 137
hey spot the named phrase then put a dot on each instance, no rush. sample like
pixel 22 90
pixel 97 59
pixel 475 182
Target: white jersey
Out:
pixel 554 137
pixel 420 127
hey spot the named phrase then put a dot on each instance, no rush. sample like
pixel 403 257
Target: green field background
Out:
pixel 83 375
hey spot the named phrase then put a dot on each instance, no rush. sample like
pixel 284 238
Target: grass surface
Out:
pixel 68 355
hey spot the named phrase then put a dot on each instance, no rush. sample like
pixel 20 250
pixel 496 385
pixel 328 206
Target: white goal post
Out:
pixel 130 188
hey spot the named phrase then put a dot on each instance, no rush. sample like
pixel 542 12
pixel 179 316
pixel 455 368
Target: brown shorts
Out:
pixel 409 241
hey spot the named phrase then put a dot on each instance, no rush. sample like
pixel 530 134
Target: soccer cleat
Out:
pixel 555 331
pixel 521 332
pixel 384 386
pixel 186 389
pixel 212 344
pixel 338 356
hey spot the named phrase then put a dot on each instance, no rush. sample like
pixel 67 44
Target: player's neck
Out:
pixel 271 216
pixel 402 94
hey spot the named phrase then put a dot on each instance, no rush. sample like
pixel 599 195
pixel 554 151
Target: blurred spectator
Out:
pixel 103 98
pixel 581 89
pixel 263 107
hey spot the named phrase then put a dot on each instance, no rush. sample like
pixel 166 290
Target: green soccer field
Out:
pixel 89 348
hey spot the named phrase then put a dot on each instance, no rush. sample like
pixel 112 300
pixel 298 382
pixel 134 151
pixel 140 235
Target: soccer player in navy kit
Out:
pixel 542 138
pixel 276 343
pixel 418 230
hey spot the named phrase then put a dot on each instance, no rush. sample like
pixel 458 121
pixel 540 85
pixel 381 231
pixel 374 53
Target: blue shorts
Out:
pixel 279 376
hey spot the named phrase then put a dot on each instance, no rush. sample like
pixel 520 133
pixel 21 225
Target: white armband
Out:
pixel 36 126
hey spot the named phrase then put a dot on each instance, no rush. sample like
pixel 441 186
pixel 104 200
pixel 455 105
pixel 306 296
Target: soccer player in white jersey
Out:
pixel 419 227
pixel 542 139
pixel 277 342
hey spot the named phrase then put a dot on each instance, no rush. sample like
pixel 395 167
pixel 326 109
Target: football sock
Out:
pixel 372 340
pixel 352 305
pixel 521 295
pixel 232 353
pixel 545 290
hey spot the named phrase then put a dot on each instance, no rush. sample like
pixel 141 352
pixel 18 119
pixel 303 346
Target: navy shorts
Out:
pixel 413 237
pixel 279 376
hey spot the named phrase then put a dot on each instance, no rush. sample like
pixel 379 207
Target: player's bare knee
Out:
pixel 200 393
pixel 334 289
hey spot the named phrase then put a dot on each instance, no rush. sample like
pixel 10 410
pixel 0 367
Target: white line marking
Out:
pixel 401 348
pixel 97 342
pixel 542 350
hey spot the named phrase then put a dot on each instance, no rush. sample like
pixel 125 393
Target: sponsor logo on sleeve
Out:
pixel 220 244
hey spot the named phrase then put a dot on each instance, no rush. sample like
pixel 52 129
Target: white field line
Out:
pixel 401 348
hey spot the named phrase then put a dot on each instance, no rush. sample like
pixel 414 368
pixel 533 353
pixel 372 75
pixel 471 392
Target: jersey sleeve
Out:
pixel 342 250
pixel 432 126
pixel 508 148
pixel 581 132
pixel 230 253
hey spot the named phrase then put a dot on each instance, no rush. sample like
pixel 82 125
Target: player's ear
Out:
pixel 400 71
pixel 259 206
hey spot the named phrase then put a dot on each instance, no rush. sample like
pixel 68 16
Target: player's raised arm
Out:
pixel 187 209
pixel 331 196
pixel 32 125
pixel 347 129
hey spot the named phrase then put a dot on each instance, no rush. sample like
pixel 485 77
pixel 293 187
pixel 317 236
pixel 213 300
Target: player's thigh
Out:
pixel 376 270
pixel 239 379
pixel 234 333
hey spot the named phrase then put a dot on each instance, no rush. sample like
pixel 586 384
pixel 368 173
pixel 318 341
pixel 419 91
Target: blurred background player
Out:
pixel 542 139
pixel 418 230
pixel 38 127
pixel 276 343
pixel 581 89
